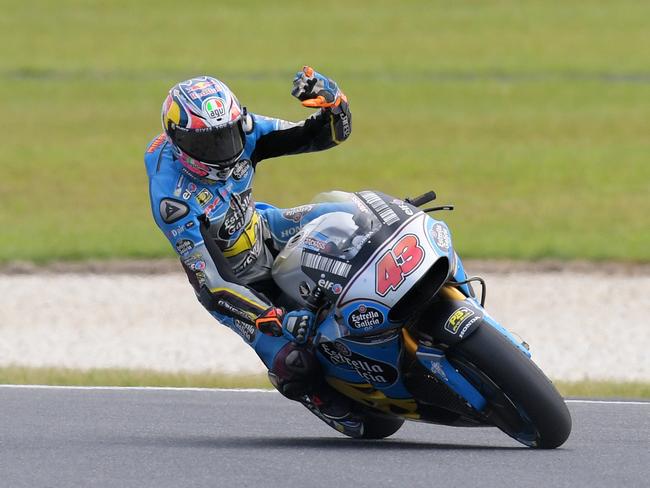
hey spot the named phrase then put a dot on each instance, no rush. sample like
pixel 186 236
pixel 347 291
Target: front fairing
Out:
pixel 367 369
pixel 365 257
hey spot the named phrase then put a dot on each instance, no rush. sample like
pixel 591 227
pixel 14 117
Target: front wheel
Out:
pixel 522 401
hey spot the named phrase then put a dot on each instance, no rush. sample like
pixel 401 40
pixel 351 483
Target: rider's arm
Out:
pixel 217 288
pixel 324 129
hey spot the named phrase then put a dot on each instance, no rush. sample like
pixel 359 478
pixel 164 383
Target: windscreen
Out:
pixel 345 230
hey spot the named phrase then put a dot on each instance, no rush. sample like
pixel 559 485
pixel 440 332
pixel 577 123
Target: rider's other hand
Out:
pixel 298 325
pixel 270 322
pixel 316 90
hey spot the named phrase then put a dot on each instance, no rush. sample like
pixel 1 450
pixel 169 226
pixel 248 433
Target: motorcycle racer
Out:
pixel 200 182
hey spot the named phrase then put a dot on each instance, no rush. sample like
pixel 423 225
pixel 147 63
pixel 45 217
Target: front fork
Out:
pixel 435 361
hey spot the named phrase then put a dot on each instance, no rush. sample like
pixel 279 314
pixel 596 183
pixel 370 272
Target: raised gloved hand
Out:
pixel 296 326
pixel 316 90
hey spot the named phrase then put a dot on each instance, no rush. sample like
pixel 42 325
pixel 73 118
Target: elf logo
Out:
pixel 328 285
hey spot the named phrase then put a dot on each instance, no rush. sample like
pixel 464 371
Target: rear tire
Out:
pixel 522 400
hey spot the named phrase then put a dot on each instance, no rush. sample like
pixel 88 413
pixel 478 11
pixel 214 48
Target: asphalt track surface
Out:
pixel 67 437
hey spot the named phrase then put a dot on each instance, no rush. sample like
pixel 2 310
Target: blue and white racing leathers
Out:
pixel 225 243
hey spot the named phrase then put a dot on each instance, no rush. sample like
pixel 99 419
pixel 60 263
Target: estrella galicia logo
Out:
pixel 377 373
pixel 246 330
pixel 172 210
pixel 235 218
pixel 241 169
pixel 365 318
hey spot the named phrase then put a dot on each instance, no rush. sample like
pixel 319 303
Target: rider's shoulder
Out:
pixel 157 156
pixel 156 145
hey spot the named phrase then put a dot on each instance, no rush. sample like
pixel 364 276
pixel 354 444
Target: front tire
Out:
pixel 522 401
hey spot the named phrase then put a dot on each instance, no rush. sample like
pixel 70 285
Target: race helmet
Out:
pixel 204 122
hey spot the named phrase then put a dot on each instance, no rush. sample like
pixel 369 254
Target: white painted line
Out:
pixel 609 402
pixel 247 390
pixel 139 388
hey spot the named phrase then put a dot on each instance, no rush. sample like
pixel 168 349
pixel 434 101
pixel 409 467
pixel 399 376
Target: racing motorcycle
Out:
pixel 401 331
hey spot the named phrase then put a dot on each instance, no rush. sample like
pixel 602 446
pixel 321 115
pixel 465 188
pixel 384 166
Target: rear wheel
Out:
pixel 522 401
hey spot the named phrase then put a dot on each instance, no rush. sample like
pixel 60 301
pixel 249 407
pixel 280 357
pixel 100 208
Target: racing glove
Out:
pixel 316 90
pixel 296 326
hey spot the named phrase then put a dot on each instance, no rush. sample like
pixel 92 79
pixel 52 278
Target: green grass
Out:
pixel 530 116
pixel 125 377
pixel 16 375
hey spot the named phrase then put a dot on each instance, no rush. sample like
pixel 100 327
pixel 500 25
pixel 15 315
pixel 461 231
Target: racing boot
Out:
pixel 294 372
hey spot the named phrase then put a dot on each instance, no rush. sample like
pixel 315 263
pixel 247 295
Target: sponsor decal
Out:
pixel 441 237
pixel 215 107
pixel 381 208
pixel 403 206
pixel 286 233
pixel 325 264
pixel 346 125
pixel 232 310
pixel 200 93
pixel 457 319
pixel 235 218
pixel 172 210
pixel 184 246
pixel 241 169
pixel 371 370
pixel 210 208
pixel 191 188
pixel 204 197
pixel 175 232
pixel 401 260
pixel 246 330
pixel 296 214
pixel 328 285
pixel 192 263
pixel 467 326
pixel 365 318
pixel 316 244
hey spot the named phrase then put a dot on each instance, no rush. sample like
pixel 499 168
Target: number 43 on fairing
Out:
pixel 398 262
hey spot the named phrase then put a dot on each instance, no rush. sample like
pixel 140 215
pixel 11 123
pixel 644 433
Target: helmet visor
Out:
pixel 216 146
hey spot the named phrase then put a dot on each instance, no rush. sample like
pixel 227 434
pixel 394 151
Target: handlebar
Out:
pixel 422 199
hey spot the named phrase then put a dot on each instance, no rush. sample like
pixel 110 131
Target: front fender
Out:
pixel 451 319
pixel 456 317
